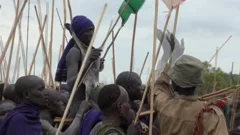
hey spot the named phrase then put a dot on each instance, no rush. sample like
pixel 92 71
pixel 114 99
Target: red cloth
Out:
pixel 221 103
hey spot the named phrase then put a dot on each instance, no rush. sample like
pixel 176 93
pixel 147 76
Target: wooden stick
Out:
pixel 29 2
pixel 18 69
pixel 174 32
pixel 176 20
pixel 70 10
pixel 133 41
pixel 51 40
pixel 49 47
pixel 59 54
pixel 61 23
pixel 64 22
pixel 105 54
pixel 11 49
pixel 4 65
pixel 153 67
pixel 1 75
pixel 12 31
pixel 156 57
pixel 44 47
pixel 220 48
pixel 215 71
pixel 16 61
pixel 144 64
pixel 113 60
pixel 231 75
pixel 114 25
pixel 19 42
pixel 44 70
pixel 235 104
pixel 34 67
pixel 81 71
pixel 36 50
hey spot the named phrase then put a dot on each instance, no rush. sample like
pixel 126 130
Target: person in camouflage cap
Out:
pixel 178 108
pixel 186 75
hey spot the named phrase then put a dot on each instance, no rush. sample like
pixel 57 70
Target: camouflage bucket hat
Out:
pixel 187 72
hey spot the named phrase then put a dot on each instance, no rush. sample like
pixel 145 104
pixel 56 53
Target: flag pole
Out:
pixel 144 64
pixel 81 71
pixel 133 42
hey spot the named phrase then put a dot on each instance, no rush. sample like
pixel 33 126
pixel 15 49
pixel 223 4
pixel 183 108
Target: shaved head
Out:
pixel 31 89
pixel 27 84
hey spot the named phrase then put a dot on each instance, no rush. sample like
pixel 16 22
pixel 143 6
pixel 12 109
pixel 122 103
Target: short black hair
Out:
pixel 127 79
pixel 107 96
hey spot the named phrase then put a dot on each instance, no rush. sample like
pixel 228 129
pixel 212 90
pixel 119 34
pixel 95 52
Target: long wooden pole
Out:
pixel 11 49
pixel 133 42
pixel 115 37
pixel 81 71
pixel 156 57
pixel 59 18
pixel 145 60
pixel 114 25
pixel 64 22
pixel 215 71
pixel 44 47
pixel 12 31
pixel 19 42
pixel 16 61
pixel 29 3
pixel 4 65
pixel 113 59
pixel 153 67
pixel 51 40
pixel 36 49
pixel 70 10
pixel 220 48
pixel 18 68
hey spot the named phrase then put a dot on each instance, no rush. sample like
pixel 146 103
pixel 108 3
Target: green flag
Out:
pixel 131 8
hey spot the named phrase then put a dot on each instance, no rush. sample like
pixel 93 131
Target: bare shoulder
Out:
pixel 73 53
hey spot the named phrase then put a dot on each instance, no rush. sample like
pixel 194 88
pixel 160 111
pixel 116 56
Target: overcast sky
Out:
pixel 204 24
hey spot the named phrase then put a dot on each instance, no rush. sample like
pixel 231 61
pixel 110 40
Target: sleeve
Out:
pixel 214 122
pixel 72 61
pixel 163 90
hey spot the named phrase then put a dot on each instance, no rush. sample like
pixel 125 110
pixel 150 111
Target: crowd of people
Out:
pixel 29 108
